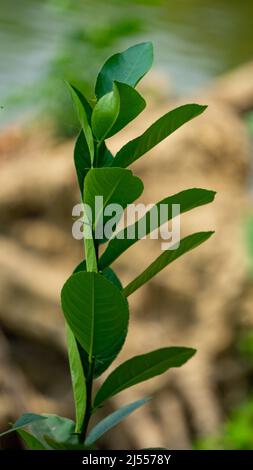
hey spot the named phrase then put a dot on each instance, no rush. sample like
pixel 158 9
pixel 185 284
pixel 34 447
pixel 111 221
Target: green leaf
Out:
pixel 57 428
pixel 115 185
pixel 24 420
pixel 112 276
pixel 100 365
pixel 107 272
pixel 187 244
pixel 96 312
pixel 141 368
pixel 86 105
pixel 105 158
pixel 126 67
pixel 31 442
pixel 161 129
pixel 81 159
pixel 112 420
pixel 188 200
pixel 131 105
pixel 105 114
pixel 83 112
pixel 77 377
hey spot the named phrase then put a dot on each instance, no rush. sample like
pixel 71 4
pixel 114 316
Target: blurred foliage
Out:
pixel 245 346
pixel 249 220
pixel 249 122
pixel 237 433
pixel 44 42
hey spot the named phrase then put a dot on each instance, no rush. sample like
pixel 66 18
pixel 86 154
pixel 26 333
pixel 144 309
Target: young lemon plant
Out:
pixel 94 302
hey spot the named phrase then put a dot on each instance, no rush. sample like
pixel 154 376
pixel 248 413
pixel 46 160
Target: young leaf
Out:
pixel 131 105
pixel 83 113
pixel 112 420
pixel 187 244
pixel 141 368
pixel 126 67
pixel 115 185
pixel 31 442
pixel 24 420
pixel 77 377
pixel 188 200
pixel 105 114
pixel 96 312
pixel 161 129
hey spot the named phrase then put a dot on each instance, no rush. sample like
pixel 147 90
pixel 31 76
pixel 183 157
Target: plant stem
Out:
pixel 91 248
pixel 92 253
pixel 89 383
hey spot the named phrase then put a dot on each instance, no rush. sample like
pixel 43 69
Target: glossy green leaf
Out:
pixel 131 105
pixel 125 67
pixel 31 442
pixel 81 159
pixel 86 105
pixel 24 420
pixel 83 113
pixel 115 185
pixel 96 312
pixel 188 200
pixel 167 257
pixel 77 377
pixel 101 364
pixel 141 368
pixel 112 420
pixel 55 427
pixel 161 129
pixel 105 114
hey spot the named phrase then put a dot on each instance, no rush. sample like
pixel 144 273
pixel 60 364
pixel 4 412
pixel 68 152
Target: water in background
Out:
pixel 42 42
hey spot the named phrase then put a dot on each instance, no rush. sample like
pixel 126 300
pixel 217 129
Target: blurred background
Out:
pixel 203 53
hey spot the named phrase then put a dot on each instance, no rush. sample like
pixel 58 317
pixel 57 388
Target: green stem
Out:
pixel 88 413
pixel 91 248
pixel 91 254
